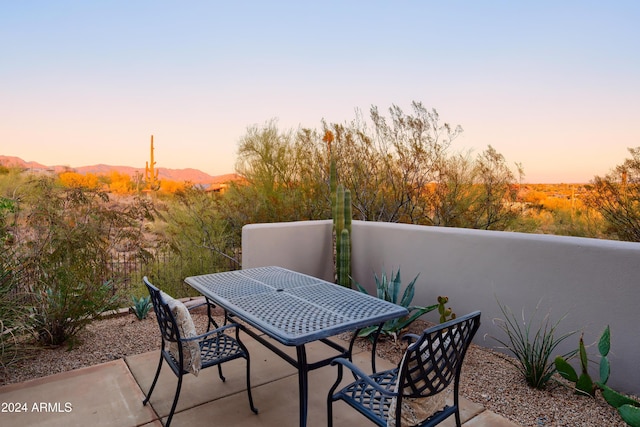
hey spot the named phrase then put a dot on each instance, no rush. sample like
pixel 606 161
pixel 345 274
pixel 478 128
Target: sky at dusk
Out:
pixel 553 85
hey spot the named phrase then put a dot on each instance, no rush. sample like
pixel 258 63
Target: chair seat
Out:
pixel 414 392
pixel 221 348
pixel 218 349
pixel 360 394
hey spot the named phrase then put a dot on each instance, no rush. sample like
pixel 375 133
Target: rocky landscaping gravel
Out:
pixel 489 378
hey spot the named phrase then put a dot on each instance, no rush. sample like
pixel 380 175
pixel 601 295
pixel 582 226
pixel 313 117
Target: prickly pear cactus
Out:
pixel 446 313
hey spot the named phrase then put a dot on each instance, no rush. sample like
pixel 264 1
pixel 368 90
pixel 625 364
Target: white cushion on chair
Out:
pixel 190 350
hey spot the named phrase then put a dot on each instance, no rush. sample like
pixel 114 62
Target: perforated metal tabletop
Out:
pixel 295 309
pixel 292 307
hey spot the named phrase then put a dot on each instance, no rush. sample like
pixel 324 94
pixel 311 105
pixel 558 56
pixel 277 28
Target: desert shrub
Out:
pixel 13 313
pixel 531 345
pixel 196 241
pixel 66 252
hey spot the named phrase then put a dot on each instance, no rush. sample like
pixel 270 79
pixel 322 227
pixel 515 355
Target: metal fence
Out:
pixel 170 268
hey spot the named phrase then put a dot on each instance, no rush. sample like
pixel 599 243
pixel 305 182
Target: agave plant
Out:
pixel 388 289
pixel 141 306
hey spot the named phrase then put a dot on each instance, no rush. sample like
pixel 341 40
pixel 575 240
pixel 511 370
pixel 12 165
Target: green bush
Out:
pixel 61 311
pixel 532 348
pixel 12 311
pixel 67 253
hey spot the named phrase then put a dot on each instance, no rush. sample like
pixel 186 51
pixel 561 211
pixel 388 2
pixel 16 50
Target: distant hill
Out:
pixel 179 175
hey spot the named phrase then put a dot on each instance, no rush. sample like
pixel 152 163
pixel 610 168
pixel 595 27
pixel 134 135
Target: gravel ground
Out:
pixel 488 377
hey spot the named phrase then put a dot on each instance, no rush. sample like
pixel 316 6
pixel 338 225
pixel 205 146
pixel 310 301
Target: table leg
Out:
pixel 303 384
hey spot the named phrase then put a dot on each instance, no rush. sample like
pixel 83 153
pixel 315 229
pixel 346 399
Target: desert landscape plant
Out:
pixel 584 383
pixel 388 289
pixel 628 408
pixel 13 314
pixel 66 248
pixel 532 348
pixel 141 306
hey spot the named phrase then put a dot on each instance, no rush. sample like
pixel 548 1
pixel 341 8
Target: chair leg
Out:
pixel 457 415
pixel 253 408
pixel 220 372
pixel 155 379
pixel 175 401
pixel 330 398
pixel 329 412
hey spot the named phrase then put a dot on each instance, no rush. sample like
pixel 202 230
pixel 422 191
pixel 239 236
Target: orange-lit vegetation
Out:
pixel 559 209
pixel 172 186
pixel 75 180
pixel 114 182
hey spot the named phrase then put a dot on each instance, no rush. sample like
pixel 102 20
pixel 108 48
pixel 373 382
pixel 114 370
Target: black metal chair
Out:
pixel 213 347
pixel 430 364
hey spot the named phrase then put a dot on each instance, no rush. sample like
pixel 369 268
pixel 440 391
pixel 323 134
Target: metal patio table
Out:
pixel 295 309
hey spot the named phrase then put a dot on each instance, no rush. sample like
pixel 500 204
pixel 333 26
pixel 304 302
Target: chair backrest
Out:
pixel 432 362
pixel 166 320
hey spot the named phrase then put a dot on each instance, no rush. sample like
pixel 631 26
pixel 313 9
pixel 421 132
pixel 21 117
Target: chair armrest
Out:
pixel 202 304
pixel 210 305
pixel 361 375
pixel 411 338
pixel 214 331
pixel 207 302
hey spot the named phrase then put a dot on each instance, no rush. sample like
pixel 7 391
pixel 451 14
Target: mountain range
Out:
pixel 179 175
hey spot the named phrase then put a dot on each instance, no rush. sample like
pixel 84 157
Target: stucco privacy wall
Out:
pixel 593 282
pixel 304 246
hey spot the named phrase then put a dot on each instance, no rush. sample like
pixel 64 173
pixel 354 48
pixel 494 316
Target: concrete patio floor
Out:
pixel 111 394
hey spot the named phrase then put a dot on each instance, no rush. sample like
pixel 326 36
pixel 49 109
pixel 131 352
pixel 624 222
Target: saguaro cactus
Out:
pixel 150 173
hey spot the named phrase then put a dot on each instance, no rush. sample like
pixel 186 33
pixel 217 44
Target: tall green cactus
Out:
pixel 341 210
pixel 344 259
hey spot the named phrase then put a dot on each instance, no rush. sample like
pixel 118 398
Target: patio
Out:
pixel 111 394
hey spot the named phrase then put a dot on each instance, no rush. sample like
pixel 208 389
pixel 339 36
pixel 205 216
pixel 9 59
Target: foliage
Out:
pixel 13 313
pixel 120 183
pixel 197 240
pixel 388 289
pixel 285 178
pixel 531 348
pixel 617 197
pixel 492 208
pixel 583 382
pixel 66 252
pixel 141 306
pixel 75 179
pixel 64 309
pixel 403 171
pixel 398 170
pixel 12 309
